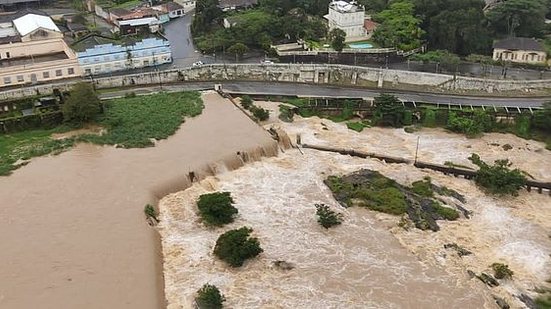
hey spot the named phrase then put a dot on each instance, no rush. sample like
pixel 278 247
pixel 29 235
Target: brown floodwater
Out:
pixel 73 229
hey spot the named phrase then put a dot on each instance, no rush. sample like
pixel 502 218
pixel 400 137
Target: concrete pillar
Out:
pixel 316 76
pixel 380 80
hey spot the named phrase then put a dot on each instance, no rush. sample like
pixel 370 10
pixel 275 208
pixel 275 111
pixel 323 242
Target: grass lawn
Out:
pixel 134 122
pixel 28 144
pixel 130 123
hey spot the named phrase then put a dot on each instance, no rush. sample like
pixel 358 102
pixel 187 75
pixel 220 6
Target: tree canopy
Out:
pixel 498 178
pixel 398 27
pixel 389 111
pixel 83 104
pixel 337 37
pixel 519 17
pixel 235 246
pixel 216 208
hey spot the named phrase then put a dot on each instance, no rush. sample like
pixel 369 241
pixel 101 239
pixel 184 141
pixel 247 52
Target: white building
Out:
pixel 349 17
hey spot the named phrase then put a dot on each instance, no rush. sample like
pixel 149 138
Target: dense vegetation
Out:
pixel 216 208
pixel 28 144
pixel 235 246
pixel 327 217
pixel 458 27
pixel 502 271
pixel 209 297
pixel 372 190
pixel 130 122
pixel 83 104
pixel 137 121
pixel 498 178
pixel 259 113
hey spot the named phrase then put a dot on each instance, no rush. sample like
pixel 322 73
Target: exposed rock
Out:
pixel 501 302
pixel 488 279
pixel 527 300
pixel 283 265
pixel 471 273
pixel 460 250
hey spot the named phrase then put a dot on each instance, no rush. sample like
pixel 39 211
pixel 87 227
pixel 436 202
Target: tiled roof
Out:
pixel 519 44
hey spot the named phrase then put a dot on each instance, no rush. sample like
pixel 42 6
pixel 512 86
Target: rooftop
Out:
pixel 8 17
pixel 139 21
pixel 345 7
pixel 519 44
pixel 33 59
pixel 30 22
pixel 93 40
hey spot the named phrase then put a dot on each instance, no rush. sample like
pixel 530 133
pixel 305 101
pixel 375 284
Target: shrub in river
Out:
pixel 235 246
pixel 246 102
pixel 502 271
pixel 286 113
pixel 260 113
pixel 209 297
pixel 423 187
pixel 327 217
pixel 150 212
pixel 445 213
pixel 216 208
pixel 498 178
pixel 356 126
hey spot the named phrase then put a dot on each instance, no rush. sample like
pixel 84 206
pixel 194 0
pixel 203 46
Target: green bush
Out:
pixel 327 217
pixel 408 117
pixel 286 113
pixel 445 213
pixel 543 302
pixel 498 178
pixel 209 297
pixel 502 271
pixel 150 212
pixel 83 104
pixel 260 113
pixel 522 126
pixel 235 246
pixel 389 200
pixel 216 208
pixel 246 102
pixel 429 118
pixel 356 126
pixel 423 187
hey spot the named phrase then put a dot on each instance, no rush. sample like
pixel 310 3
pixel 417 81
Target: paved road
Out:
pixel 324 91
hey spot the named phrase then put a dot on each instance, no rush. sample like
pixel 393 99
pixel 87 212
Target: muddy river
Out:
pixel 73 229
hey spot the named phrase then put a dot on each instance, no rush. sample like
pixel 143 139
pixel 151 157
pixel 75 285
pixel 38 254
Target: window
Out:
pixel 88 71
pixel 8 55
pixel 70 71
pixel 20 78
pixel 106 58
pixel 7 80
pixel 96 59
pixel 97 69
pixel 46 74
pixel 58 73
pixel 146 62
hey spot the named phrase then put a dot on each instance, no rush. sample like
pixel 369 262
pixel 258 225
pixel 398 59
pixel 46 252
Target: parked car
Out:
pixel 266 62
pixel 197 64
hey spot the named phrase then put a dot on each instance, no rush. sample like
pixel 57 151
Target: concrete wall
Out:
pixel 323 74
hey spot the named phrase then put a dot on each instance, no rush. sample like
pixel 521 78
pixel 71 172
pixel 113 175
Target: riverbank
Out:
pixel 74 229
pixel 368 261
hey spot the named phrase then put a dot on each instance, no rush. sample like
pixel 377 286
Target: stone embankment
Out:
pixel 302 73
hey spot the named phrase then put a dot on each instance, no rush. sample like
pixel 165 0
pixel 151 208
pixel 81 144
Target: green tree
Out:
pixel 542 118
pixel 207 14
pixel 498 178
pixel 209 297
pixel 337 38
pixel 525 18
pixel 216 208
pixel 456 26
pixel 246 102
pixel 327 217
pixel 238 49
pixel 389 111
pixel 398 27
pixel 83 104
pixel 235 246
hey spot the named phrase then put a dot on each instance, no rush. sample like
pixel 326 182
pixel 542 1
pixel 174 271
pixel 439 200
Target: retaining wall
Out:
pixel 300 73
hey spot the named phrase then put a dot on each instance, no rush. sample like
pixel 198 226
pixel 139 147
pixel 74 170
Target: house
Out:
pixel 118 14
pixel 230 5
pixel 138 25
pixel 369 27
pixel 523 50
pixel 77 29
pixel 32 50
pixel 349 17
pixel 173 9
pixel 99 54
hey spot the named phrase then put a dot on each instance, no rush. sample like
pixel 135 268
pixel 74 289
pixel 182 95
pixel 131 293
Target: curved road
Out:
pixel 328 91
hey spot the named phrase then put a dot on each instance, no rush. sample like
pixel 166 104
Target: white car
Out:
pixel 197 64
pixel 267 62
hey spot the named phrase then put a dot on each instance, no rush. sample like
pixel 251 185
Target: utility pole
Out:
pixel 417 149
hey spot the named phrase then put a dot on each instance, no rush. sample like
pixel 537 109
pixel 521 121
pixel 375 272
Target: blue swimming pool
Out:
pixel 360 45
